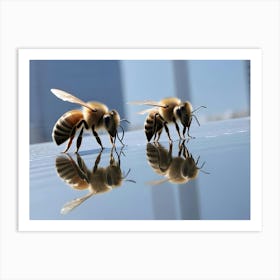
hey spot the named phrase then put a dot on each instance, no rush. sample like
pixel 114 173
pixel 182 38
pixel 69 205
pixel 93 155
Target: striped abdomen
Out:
pixel 152 126
pixel 69 172
pixel 158 158
pixel 65 124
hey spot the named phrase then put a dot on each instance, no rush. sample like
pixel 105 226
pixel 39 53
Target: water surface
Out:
pixel 159 183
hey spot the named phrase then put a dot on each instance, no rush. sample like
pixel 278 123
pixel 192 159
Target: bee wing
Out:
pixel 69 206
pixel 147 111
pixel 65 96
pixel 148 102
pixel 158 182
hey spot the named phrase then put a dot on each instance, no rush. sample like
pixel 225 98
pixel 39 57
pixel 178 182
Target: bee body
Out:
pixel 95 119
pixel 183 113
pixel 175 172
pixel 67 169
pixel 64 126
pixel 158 158
pixel 176 169
pixel 150 128
pixel 98 183
pixel 168 110
pixel 94 115
pixel 183 169
pixel 78 176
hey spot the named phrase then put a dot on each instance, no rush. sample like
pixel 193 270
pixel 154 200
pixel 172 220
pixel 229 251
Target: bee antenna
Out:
pixel 128 180
pixel 119 154
pixel 122 131
pixel 132 181
pixel 126 174
pixel 125 120
pixel 121 151
pixel 200 168
pixel 120 139
pixel 201 165
pixel 198 108
pixel 196 119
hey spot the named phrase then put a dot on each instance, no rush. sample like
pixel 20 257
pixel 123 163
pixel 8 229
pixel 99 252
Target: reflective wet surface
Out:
pixel 205 178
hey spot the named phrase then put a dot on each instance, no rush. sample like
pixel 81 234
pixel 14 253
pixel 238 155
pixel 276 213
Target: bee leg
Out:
pixel 72 135
pixel 167 131
pixel 82 169
pixel 97 162
pixel 111 155
pixel 81 163
pixel 79 140
pixel 112 141
pixel 192 137
pixel 184 131
pixel 155 135
pixel 180 150
pixel 170 150
pixel 165 126
pixel 155 127
pixel 177 128
pixel 189 125
pixel 158 135
pixel 97 137
pixel 187 153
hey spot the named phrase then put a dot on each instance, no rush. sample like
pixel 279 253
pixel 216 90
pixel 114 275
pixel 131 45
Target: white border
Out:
pixel 254 55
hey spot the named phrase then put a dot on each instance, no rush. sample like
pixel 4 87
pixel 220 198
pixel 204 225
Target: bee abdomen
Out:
pixel 68 171
pixel 152 127
pixel 64 126
pixel 149 127
pixel 152 155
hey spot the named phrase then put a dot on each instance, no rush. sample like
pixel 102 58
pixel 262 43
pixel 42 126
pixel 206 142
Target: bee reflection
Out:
pixel 98 180
pixel 177 170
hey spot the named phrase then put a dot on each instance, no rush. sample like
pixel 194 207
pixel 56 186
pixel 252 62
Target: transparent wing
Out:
pixel 157 182
pixel 69 206
pixel 148 102
pixel 147 111
pixel 65 96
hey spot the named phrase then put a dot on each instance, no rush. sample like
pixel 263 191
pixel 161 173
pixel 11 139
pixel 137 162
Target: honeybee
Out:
pixel 177 170
pixel 166 111
pixel 94 116
pixel 97 181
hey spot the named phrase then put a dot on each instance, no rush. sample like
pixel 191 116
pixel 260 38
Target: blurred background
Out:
pixel 221 85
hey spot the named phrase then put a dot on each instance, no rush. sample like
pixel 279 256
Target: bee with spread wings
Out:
pixel 94 116
pixel 168 110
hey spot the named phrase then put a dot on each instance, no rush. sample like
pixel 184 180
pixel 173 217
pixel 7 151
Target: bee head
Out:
pixel 111 122
pixel 182 114
pixel 114 175
pixel 189 168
